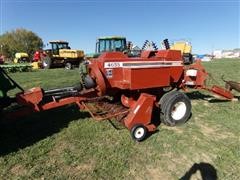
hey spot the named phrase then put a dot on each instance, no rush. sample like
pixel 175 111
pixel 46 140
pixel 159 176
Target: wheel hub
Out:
pixel 178 111
pixel 139 132
pixel 44 64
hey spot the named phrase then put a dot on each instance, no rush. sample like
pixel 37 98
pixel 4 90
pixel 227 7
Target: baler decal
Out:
pixel 137 64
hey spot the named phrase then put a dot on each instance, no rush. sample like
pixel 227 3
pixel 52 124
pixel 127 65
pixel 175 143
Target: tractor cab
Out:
pixel 109 44
pixel 57 45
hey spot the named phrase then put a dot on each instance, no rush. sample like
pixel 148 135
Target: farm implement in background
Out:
pixel 128 89
pixel 58 55
pixel 114 44
pixel 21 63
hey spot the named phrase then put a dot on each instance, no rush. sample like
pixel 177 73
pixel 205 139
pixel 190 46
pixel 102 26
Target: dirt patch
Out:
pixel 154 173
pixel 204 157
pixel 195 102
pixel 157 173
pixel 206 103
pixel 59 147
pixel 85 167
pixel 213 132
pixel 196 118
pixel 201 115
pixel 225 135
pixel 80 169
pixel 207 130
pixel 18 170
pixel 175 129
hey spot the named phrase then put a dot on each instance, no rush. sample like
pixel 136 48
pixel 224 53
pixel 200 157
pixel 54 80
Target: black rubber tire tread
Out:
pixel 162 103
pixel 172 98
pixel 134 128
pixel 165 97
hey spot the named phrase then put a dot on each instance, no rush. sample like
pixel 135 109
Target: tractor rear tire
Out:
pixel 46 62
pixel 175 108
pixel 139 132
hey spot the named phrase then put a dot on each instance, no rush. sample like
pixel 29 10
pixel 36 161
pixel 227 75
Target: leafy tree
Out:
pixel 19 40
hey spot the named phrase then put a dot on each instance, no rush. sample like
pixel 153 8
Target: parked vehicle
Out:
pixel 59 55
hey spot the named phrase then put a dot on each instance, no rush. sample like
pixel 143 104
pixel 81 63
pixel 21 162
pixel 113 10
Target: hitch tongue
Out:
pixel 63 92
pixel 221 92
pixel 196 76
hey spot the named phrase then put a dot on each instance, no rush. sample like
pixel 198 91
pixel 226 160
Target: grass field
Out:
pixel 65 143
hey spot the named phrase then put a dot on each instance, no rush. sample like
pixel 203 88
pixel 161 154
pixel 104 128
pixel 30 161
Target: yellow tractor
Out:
pixel 21 57
pixel 186 50
pixel 61 55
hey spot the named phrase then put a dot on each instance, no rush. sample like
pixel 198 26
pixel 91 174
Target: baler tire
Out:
pixel 175 109
pixel 165 97
pixel 46 62
pixel 139 132
pixel 162 103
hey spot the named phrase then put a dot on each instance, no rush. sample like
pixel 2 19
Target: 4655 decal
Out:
pixel 112 64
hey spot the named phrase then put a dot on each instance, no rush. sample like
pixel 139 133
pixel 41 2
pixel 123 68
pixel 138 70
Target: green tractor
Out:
pixel 60 55
pixel 108 44
pixel 111 44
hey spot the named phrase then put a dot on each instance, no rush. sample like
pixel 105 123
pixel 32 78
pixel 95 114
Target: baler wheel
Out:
pixel 165 97
pixel 139 132
pixel 175 108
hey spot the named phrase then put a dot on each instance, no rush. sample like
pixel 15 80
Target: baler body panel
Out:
pixel 154 69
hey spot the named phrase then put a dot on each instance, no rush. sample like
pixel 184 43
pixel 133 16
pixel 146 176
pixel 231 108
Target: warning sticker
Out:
pixel 109 73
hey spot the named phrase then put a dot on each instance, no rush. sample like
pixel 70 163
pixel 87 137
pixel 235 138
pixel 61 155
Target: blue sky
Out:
pixel 207 24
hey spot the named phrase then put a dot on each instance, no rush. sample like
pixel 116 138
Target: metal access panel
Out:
pixel 147 77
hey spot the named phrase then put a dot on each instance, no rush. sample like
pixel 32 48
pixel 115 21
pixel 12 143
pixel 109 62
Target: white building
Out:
pixel 226 53
pixel 217 54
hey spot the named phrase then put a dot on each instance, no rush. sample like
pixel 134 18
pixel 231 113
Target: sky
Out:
pixel 207 24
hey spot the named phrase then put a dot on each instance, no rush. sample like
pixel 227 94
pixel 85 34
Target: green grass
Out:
pixel 65 143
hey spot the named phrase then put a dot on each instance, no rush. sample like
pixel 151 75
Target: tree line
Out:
pixel 19 40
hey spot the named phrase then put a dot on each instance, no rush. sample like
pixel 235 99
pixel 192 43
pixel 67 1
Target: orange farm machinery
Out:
pixel 132 90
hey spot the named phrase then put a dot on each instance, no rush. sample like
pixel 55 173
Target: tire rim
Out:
pixel 68 66
pixel 178 111
pixel 44 64
pixel 139 132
